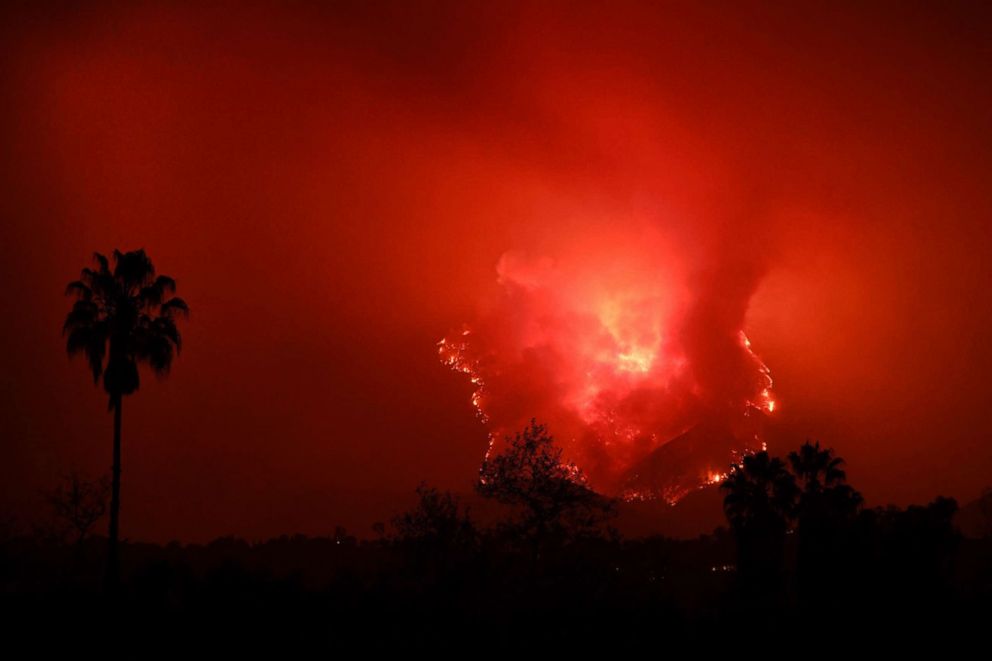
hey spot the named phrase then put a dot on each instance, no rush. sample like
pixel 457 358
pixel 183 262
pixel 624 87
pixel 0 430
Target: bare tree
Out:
pixel 78 503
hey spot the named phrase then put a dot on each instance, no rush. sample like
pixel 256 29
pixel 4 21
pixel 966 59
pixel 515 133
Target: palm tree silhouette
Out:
pixel 759 502
pixel 122 316
pixel 825 492
pixel 760 491
pixel 817 468
pixel 825 513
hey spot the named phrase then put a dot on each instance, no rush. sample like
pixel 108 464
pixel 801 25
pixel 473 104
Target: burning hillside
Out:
pixel 639 366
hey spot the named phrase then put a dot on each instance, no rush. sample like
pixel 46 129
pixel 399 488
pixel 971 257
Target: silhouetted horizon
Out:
pixel 494 326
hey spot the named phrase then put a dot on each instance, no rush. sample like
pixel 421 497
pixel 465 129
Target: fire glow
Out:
pixel 608 351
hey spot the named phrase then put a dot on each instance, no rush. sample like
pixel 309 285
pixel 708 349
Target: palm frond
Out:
pixel 102 261
pixel 150 296
pixel 95 351
pixel 166 284
pixel 91 341
pixel 174 305
pixel 83 314
pixel 166 327
pixel 101 282
pixel 133 269
pixel 156 341
pixel 159 353
pixel 154 293
pixel 79 289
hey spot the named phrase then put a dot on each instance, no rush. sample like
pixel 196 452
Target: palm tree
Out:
pixel 760 492
pixel 823 481
pixel 817 468
pixel 825 514
pixel 760 499
pixel 122 316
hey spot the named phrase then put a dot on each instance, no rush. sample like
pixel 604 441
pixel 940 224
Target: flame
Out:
pixel 712 477
pixel 764 402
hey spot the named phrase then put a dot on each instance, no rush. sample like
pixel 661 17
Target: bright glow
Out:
pixel 712 477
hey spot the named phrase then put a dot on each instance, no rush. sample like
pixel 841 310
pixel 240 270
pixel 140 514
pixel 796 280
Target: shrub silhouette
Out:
pixel 78 503
pixel 437 523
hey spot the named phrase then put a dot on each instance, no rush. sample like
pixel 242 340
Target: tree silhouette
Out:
pixel 437 536
pixel 760 492
pixel 760 499
pixel 914 552
pixel 825 513
pixel 825 495
pixel 985 509
pixel 123 315
pixel 79 503
pixel 552 498
pixel 438 521
pixel 816 468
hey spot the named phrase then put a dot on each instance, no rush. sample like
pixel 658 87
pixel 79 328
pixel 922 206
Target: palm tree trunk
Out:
pixel 113 559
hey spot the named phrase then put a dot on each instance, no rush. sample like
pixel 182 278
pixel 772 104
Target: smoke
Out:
pixel 620 343
pixel 345 178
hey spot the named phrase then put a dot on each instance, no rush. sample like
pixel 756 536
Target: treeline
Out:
pixel 800 553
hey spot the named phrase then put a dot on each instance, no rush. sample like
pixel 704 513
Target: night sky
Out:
pixel 334 186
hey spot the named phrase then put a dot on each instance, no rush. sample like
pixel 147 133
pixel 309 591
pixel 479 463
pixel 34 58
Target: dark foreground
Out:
pixel 293 594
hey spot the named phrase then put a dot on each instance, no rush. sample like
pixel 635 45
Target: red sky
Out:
pixel 333 186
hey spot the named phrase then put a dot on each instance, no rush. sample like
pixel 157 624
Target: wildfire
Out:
pixel 610 366
pixel 764 402
pixel 453 355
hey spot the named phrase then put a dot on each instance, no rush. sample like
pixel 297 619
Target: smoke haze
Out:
pixel 336 188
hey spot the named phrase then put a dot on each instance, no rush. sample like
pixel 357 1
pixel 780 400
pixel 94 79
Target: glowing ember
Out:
pixel 615 363
pixel 715 478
